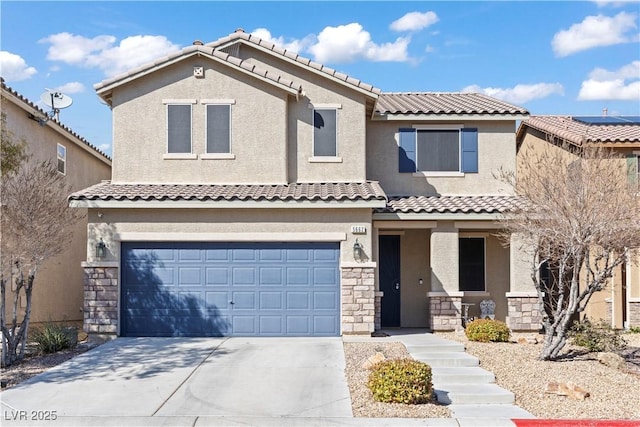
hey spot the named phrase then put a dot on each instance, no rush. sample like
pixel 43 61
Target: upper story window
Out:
pixel 438 150
pixel 62 159
pixel 179 128
pixel 325 132
pixel 218 128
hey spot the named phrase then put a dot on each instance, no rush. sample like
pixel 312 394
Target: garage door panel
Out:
pixel 186 289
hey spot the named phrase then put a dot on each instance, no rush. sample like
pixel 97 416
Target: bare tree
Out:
pixel 12 152
pixel 581 220
pixel 36 225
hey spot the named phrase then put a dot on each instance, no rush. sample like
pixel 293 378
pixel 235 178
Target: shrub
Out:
pixel 634 330
pixel 54 337
pixel 487 330
pixel 596 337
pixel 401 381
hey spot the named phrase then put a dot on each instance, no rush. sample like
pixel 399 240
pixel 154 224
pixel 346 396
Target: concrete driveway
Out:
pixel 227 377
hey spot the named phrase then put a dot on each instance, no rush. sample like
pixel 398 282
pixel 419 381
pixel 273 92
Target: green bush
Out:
pixel 401 381
pixel 634 330
pixel 487 330
pixel 54 337
pixel 596 337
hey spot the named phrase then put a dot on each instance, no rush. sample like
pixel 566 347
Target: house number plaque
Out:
pixel 358 229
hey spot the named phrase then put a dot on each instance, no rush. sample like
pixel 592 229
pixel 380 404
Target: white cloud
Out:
pixel 293 45
pixel 613 3
pixel 414 21
pixel 595 31
pixel 104 147
pixel 14 68
pixel 520 93
pixel 102 52
pixel 347 43
pixel 71 87
pixel 612 85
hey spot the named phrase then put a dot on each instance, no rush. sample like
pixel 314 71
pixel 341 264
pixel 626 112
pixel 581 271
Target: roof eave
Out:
pixel 448 117
pixel 225 204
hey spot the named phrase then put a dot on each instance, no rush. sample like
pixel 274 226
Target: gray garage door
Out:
pixel 230 289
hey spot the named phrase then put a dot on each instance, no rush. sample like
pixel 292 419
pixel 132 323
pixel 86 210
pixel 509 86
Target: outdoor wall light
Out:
pixel 420 281
pixel 358 251
pixel 101 249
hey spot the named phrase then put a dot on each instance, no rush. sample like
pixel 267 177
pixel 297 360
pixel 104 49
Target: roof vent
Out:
pixel 198 43
pixel 240 30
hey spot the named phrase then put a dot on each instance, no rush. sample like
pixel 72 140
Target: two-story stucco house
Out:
pixel 256 192
pixel 58 292
pixel 619 302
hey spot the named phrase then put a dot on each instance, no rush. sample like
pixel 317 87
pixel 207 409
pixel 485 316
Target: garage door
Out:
pixel 230 289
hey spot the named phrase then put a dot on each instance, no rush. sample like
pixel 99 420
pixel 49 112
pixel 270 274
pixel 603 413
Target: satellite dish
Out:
pixel 55 100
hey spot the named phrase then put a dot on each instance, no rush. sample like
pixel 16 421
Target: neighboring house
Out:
pixel 58 292
pixel 256 192
pixel 619 302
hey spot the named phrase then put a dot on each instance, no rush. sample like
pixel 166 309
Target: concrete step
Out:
pixel 464 375
pixel 436 347
pixel 488 411
pixel 442 359
pixel 474 394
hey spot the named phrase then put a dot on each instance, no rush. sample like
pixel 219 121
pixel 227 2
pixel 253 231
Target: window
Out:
pixel 438 150
pixel 62 159
pixel 471 263
pixel 325 134
pixel 218 128
pixel 179 128
pixel 633 168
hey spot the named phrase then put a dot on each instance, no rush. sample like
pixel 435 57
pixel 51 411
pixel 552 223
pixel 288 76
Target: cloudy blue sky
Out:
pixel 554 57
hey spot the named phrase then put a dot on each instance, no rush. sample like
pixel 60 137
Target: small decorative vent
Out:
pixel 198 71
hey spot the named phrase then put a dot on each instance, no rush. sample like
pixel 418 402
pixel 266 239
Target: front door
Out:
pixel 389 258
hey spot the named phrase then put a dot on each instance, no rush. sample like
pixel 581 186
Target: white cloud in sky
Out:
pixel 71 87
pixel 520 93
pixel 595 31
pixel 613 3
pixel 294 45
pixel 103 53
pixel 414 21
pixel 14 68
pixel 622 84
pixel 104 147
pixel 351 42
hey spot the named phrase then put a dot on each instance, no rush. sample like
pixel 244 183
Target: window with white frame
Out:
pixel 471 262
pixel 178 128
pixel 62 159
pixel 438 150
pixel 218 128
pixel 325 132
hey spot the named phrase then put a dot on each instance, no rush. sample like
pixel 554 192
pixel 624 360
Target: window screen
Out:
pixel 438 150
pixel 218 128
pixel 62 159
pixel 179 128
pixel 471 262
pixel 324 133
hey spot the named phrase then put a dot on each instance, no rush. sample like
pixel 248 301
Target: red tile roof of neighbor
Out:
pixel 353 191
pixel 443 103
pixel 576 132
pixel 451 204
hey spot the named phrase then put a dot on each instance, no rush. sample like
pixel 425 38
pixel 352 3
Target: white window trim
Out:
pixel 63 158
pixel 444 174
pixel 218 156
pixel 324 159
pixel 179 156
pixel 484 256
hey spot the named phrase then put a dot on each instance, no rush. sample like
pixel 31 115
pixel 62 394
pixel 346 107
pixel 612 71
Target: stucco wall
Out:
pixel 496 148
pixel 228 225
pixel 58 289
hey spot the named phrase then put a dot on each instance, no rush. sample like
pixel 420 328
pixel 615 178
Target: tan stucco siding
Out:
pixel 496 149
pixel 58 289
pixel 229 225
pixel 258 127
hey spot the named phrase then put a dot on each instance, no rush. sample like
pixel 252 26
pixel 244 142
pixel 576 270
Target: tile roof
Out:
pixel 241 35
pixel 369 190
pixel 443 103
pixel 56 121
pixel 450 204
pixel 567 128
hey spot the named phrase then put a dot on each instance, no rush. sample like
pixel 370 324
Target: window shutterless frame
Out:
pixel 61 154
pixel 218 128
pixel 179 127
pixel 325 132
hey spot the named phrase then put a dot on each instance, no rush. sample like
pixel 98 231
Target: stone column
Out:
pixel 358 298
pixel 377 321
pixel 634 312
pixel 101 299
pixel 523 308
pixel 445 298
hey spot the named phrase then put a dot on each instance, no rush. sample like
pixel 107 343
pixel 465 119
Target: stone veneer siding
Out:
pixel 445 313
pixel 101 300
pixel 358 300
pixel 524 314
pixel 634 313
pixel 378 311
